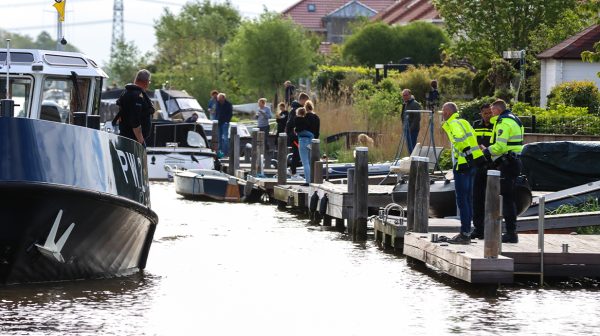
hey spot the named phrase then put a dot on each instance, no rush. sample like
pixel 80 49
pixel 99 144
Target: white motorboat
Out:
pixel 207 184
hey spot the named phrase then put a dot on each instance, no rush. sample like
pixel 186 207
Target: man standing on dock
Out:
pixel 292 137
pixel 505 152
pixel 483 131
pixel 224 113
pixel 411 122
pixel 467 156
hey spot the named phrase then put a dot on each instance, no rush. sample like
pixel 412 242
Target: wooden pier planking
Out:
pixel 341 201
pixel 295 196
pixel 581 260
pixel 465 262
pixel 391 233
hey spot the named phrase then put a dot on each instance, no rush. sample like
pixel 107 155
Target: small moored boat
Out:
pixel 208 184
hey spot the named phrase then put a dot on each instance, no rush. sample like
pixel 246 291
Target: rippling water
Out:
pixel 240 269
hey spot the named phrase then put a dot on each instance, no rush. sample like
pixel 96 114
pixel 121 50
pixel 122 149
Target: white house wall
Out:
pixel 555 72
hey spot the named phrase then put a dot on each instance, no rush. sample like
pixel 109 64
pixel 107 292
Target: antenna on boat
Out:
pixel 60 18
pixel 7 105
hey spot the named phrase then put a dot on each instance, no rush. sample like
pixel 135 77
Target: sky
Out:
pixel 88 23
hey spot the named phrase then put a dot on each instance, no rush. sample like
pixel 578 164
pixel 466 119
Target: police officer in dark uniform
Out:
pixel 483 131
pixel 505 152
pixel 136 110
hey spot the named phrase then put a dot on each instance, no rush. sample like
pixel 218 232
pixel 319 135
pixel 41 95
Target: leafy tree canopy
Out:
pixel 267 51
pixel 482 30
pixel 125 61
pixel 43 41
pixel 381 43
pixel 190 45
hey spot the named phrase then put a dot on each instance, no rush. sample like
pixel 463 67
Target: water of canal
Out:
pixel 250 269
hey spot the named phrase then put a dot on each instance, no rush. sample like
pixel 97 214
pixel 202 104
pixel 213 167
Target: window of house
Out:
pixel 312 7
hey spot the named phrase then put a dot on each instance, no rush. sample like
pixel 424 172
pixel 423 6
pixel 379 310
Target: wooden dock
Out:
pixel 340 201
pixel 466 262
pixel 291 195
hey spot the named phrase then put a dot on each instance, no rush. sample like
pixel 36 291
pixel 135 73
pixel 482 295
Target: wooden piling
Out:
pixel 260 146
pixel 315 155
pixel 361 192
pixel 282 152
pixel 493 213
pixel 247 153
pixel 318 172
pixel 214 140
pixel 254 160
pixel 234 150
pixel 411 195
pixel 421 201
pixel 350 175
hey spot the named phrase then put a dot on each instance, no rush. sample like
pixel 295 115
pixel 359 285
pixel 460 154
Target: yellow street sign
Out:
pixel 60 8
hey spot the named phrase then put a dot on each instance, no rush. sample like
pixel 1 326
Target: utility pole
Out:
pixel 118 33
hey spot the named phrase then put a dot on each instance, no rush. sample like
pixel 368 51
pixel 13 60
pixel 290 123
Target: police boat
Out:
pixel 76 199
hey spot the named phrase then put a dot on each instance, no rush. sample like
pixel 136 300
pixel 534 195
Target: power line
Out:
pixel 37 3
pixel 83 23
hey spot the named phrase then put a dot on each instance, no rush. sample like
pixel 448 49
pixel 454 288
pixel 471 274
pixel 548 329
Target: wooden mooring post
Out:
pixel 254 160
pixel 417 198
pixel 234 150
pixel 493 216
pixel 260 149
pixel 361 193
pixel 282 152
pixel 350 180
pixel 214 140
pixel 317 172
pixel 315 154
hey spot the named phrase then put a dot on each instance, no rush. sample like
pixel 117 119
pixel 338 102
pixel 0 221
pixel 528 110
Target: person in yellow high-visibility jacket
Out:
pixel 466 157
pixel 507 144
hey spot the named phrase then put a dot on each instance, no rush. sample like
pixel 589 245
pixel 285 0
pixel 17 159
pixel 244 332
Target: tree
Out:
pixel 43 41
pixel 125 61
pixel 190 45
pixel 483 29
pixel 371 44
pixel 380 43
pixel 267 51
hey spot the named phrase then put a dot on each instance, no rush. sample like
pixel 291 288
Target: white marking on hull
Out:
pixel 52 248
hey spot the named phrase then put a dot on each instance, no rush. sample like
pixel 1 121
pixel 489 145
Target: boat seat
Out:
pixel 50 113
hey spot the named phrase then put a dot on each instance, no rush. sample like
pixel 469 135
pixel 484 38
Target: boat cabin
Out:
pixel 51 85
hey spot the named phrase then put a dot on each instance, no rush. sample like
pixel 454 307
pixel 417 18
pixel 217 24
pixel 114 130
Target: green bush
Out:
pixel 445 159
pixel 453 83
pixel 480 86
pixel 576 93
pixel 500 74
pixel 336 81
pixel 470 110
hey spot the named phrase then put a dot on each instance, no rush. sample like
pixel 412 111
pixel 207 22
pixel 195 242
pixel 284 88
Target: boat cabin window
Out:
pixel 60 93
pixel 20 92
pixel 17 57
pixel 175 105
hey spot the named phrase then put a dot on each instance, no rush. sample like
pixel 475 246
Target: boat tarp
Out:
pixel 553 166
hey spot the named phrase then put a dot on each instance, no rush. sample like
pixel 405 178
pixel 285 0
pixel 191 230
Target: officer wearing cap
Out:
pixel 483 131
pixel 505 152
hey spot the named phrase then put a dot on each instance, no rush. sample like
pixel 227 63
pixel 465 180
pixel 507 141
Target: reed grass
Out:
pixel 342 116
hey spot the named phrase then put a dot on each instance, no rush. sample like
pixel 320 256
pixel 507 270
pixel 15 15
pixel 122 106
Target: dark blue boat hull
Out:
pixel 86 186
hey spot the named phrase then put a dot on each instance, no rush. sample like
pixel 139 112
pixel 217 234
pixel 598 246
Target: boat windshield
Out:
pixel 20 92
pixel 175 105
pixel 60 98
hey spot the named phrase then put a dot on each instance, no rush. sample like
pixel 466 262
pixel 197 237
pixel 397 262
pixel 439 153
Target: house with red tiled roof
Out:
pixel 406 11
pixel 330 18
pixel 562 63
